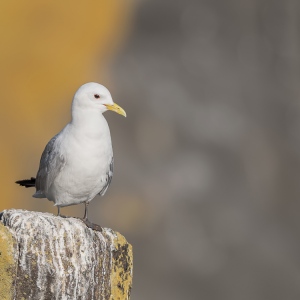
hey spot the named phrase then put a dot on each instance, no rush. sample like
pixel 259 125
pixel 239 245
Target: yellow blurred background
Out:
pixel 48 49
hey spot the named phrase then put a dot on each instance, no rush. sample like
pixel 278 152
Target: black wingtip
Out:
pixel 27 182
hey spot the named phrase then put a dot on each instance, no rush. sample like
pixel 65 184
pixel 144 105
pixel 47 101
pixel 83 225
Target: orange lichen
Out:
pixel 8 263
pixel 121 274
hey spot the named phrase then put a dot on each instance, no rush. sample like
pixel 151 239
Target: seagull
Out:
pixel 77 163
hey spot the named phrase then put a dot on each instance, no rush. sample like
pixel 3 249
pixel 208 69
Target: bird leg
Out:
pixel 86 221
pixel 86 211
pixel 58 212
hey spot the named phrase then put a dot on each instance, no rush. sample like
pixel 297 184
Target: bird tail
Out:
pixel 27 182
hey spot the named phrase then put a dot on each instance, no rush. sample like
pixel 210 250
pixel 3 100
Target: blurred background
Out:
pixel 207 163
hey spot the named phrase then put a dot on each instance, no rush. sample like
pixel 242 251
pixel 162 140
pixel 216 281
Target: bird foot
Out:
pixel 86 222
pixel 63 216
pixel 91 225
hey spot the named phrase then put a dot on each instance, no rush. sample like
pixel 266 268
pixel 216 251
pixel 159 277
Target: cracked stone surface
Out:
pixel 43 256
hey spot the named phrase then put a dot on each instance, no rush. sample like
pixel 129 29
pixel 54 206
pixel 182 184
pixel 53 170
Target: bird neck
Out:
pixel 88 121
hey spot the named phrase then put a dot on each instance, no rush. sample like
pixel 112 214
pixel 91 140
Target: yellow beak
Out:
pixel 116 108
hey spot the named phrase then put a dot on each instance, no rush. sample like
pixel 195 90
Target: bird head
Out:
pixel 96 96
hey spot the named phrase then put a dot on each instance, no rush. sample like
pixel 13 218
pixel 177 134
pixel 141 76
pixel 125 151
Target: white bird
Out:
pixel 77 163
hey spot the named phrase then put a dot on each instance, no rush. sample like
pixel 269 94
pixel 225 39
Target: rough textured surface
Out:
pixel 49 257
pixel 8 265
pixel 121 275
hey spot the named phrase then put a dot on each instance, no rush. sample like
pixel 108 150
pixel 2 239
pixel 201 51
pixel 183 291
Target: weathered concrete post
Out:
pixel 43 256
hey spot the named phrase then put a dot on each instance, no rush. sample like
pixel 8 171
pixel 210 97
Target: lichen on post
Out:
pixel 43 256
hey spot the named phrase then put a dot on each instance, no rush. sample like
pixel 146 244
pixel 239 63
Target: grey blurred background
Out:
pixel 207 163
pixel 209 156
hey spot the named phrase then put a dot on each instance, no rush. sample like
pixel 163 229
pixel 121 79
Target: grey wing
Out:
pixel 108 178
pixel 51 165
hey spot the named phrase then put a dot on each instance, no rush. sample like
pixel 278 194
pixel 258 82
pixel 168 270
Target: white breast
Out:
pixel 88 154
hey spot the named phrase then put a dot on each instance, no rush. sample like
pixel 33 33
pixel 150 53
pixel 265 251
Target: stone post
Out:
pixel 43 256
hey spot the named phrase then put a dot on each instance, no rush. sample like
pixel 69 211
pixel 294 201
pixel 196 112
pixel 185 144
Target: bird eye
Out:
pixel 97 96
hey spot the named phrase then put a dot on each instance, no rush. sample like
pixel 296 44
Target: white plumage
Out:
pixel 77 163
